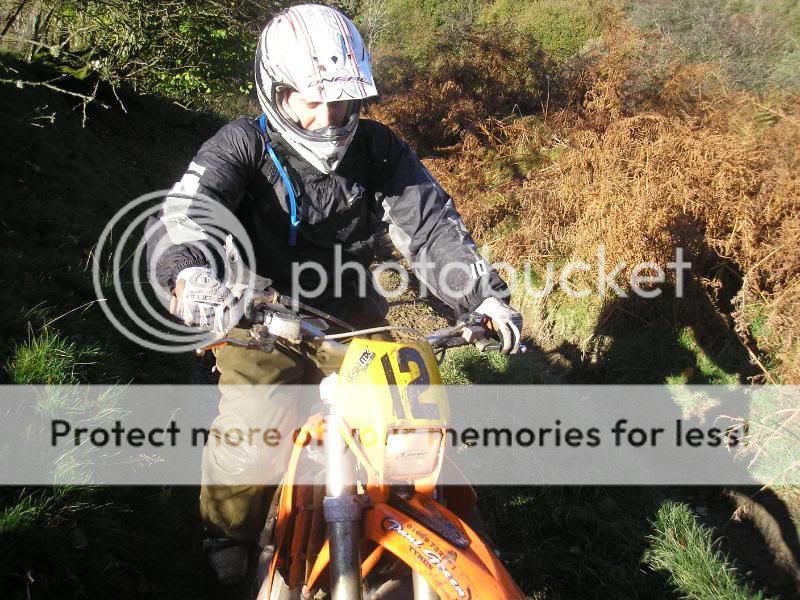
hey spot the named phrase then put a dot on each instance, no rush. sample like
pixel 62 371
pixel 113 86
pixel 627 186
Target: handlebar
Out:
pixel 270 322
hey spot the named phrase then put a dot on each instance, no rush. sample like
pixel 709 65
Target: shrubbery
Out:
pixel 560 27
pixel 756 43
pixel 185 50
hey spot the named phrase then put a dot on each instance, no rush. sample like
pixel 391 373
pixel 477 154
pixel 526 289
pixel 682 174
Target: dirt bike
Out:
pixel 376 524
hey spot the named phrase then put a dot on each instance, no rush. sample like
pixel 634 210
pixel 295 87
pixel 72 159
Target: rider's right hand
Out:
pixel 506 322
pixel 201 300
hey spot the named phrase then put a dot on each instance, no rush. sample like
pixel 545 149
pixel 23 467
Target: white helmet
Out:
pixel 318 52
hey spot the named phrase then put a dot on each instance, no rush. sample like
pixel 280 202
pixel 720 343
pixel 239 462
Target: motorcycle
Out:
pixel 375 522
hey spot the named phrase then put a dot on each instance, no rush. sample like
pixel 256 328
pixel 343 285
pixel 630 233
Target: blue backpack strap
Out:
pixel 294 219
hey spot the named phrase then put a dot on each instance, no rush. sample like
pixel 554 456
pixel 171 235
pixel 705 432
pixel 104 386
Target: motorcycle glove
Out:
pixel 506 321
pixel 205 302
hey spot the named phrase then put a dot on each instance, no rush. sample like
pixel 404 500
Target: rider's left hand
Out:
pixel 506 321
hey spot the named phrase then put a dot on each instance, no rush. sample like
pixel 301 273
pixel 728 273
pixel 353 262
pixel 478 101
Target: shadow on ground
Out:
pixel 61 183
pixel 589 542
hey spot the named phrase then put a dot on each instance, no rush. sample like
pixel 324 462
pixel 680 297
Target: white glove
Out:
pixel 203 301
pixel 506 321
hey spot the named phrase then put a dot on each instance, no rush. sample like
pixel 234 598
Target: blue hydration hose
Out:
pixel 294 220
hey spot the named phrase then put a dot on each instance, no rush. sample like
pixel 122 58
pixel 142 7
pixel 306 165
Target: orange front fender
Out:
pixel 454 573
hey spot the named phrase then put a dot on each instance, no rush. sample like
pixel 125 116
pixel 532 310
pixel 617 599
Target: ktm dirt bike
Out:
pixel 377 524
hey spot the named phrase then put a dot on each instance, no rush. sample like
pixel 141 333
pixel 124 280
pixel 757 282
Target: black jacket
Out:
pixel 380 180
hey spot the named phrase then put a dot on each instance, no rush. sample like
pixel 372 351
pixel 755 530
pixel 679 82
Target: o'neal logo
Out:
pixel 437 561
pixel 363 362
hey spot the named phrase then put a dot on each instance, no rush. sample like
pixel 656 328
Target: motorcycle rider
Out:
pixel 306 177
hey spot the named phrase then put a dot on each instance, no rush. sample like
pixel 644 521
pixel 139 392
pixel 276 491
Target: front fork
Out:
pixel 342 505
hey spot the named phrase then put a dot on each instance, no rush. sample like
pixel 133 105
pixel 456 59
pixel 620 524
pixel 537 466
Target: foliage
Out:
pixel 651 161
pixel 560 27
pixel 415 29
pixel 48 358
pixel 187 50
pixel 477 77
pixel 755 43
pixel 686 550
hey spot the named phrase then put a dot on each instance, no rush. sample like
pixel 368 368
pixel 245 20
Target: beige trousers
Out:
pixel 238 509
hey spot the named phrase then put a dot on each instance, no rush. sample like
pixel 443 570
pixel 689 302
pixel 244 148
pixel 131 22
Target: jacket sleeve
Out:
pixel 426 228
pixel 191 226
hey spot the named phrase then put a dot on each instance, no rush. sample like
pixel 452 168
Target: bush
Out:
pixel 478 75
pixel 560 27
pixel 755 44
pixel 185 50
pixel 415 29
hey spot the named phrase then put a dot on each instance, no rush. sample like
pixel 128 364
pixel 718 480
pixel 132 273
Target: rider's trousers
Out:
pixel 239 510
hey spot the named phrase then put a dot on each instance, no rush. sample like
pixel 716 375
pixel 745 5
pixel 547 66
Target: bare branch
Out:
pixel 86 99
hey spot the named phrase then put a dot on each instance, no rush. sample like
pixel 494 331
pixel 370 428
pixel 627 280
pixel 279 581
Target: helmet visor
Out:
pixel 331 133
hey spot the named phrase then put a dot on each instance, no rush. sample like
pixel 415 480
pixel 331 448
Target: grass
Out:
pixel 769 342
pixel 44 508
pixel 63 183
pixel 563 542
pixel 63 188
pixel 47 357
pixel 80 542
pixel 706 370
pixel 572 542
pixel 684 549
pixel 463 366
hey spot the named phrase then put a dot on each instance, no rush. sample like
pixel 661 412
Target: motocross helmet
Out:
pixel 316 51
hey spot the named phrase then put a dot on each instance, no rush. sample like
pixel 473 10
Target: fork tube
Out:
pixel 422 589
pixel 340 494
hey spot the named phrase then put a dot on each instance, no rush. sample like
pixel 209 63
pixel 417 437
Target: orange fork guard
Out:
pixel 452 572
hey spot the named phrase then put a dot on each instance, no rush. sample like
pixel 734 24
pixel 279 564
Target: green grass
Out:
pixel 767 341
pixel 62 183
pixel 80 542
pixel 706 371
pixel 48 357
pixel 574 319
pixel 684 549
pixel 556 318
pixel 561 542
pixel 756 315
pixel 463 366
pixel 44 508
pixel 575 542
